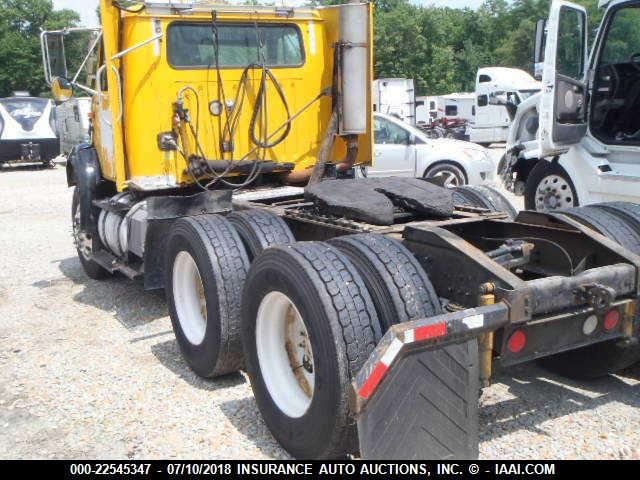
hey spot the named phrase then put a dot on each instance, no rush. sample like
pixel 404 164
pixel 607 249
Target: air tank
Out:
pixel 122 233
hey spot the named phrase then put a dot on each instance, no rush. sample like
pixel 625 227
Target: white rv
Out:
pixel 491 123
pixel 396 97
pixel 578 141
pixel 28 129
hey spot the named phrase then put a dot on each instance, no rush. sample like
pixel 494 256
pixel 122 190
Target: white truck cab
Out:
pixel 490 123
pixel 578 141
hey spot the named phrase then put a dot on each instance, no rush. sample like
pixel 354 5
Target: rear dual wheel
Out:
pixel 207 261
pixel 312 315
pixel 206 266
pixel 309 324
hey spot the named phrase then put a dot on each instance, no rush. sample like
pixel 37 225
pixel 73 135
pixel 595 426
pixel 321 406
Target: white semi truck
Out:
pixel 578 141
pixel 490 122
pixel 395 96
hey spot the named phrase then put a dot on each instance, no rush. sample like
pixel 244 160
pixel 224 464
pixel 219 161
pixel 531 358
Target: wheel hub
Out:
pixel 554 193
pixel 189 298
pixel 285 354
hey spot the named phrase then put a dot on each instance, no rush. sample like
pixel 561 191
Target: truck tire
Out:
pixel 489 198
pixel 399 286
pixel 206 267
pixel 608 224
pixel 259 230
pixel 427 384
pixel 91 268
pixel 308 325
pixel 594 361
pixel 549 187
pixel 626 211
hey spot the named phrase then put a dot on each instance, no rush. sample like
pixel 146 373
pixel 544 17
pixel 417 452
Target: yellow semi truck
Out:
pixel 367 313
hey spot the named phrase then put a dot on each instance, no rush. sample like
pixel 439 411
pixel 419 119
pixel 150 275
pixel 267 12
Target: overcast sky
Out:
pixel 87 8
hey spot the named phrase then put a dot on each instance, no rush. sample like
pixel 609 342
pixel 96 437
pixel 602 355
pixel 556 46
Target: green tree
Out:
pixel 21 22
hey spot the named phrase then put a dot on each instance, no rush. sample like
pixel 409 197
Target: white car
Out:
pixel 404 151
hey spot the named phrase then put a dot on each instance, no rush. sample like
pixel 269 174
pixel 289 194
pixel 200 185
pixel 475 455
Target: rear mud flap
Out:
pixel 426 408
pixel 416 396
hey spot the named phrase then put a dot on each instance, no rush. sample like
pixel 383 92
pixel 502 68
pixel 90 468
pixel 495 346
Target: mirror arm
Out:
pixel 90 91
pixel 136 47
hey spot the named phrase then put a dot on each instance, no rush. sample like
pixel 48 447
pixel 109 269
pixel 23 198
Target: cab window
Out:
pixel 570 57
pixel 193 46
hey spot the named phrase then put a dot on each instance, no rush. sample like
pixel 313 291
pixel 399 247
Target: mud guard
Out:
pixel 83 171
pixel 162 212
pixel 417 395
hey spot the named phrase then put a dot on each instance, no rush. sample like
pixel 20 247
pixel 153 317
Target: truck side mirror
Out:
pixel 61 89
pixel 541 37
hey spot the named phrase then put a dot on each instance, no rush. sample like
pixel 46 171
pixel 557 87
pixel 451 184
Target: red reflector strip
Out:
pixel 411 336
pixel 430 331
pixel 373 381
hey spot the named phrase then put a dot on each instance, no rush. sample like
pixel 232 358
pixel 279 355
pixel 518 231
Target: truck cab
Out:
pixel 578 141
pixel 491 122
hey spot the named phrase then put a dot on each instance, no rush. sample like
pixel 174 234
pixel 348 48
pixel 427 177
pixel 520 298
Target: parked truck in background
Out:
pixel 367 313
pixel 395 96
pixel 490 122
pixel 578 141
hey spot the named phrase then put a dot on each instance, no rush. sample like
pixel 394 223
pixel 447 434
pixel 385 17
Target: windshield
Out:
pixel 524 94
pixel 25 111
pixel 623 37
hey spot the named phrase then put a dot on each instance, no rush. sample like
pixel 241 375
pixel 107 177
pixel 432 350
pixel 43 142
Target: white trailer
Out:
pixel 395 96
pixel 73 123
pixel 491 123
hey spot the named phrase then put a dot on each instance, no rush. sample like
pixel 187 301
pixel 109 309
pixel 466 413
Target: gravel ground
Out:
pixel 91 369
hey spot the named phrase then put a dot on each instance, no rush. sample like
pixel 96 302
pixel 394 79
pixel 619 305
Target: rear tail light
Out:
pixel 590 325
pixel 517 341
pixel 611 319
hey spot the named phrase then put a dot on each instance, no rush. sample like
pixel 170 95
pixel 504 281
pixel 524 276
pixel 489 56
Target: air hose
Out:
pixel 261 104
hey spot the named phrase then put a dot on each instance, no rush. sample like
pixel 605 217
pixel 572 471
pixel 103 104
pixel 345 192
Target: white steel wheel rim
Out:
pixel 449 178
pixel 554 193
pixel 189 298
pixel 285 355
pixel 81 239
